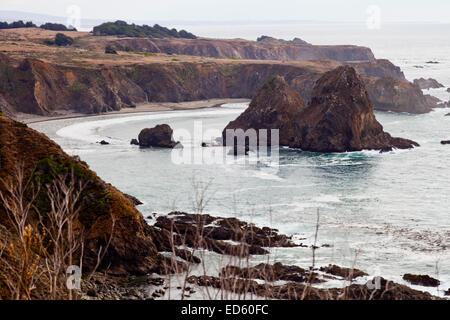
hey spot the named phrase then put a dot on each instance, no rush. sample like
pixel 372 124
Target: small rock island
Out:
pixel 160 136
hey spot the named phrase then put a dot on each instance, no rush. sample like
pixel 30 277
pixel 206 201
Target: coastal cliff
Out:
pixel 266 49
pixel 36 87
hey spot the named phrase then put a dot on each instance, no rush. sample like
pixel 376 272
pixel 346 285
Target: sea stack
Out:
pixel 339 118
pixel 159 136
pixel 274 106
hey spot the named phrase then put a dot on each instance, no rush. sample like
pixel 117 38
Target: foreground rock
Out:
pixel 296 291
pixel 339 118
pixel 159 136
pixel 428 83
pixel 421 280
pixel 222 235
pixel 271 273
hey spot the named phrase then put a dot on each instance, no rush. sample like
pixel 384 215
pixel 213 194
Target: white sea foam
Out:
pixel 89 130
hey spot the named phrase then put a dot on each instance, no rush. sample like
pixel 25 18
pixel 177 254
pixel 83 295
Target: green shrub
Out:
pixel 121 28
pixel 110 49
pixel 62 40
pixel 56 27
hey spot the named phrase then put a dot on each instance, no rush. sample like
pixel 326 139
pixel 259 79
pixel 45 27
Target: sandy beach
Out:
pixel 145 107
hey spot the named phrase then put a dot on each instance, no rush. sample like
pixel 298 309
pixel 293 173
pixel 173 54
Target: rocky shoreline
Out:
pixel 261 281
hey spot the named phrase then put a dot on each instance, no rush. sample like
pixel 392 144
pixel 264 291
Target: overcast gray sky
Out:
pixel 207 10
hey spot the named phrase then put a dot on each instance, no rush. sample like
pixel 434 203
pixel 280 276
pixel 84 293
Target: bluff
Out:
pixel 266 49
pixel 37 87
pixel 339 118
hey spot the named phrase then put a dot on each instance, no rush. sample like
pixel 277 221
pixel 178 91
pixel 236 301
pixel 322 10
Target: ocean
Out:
pixel 387 214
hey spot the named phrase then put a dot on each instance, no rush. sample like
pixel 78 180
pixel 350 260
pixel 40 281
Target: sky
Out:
pixel 244 10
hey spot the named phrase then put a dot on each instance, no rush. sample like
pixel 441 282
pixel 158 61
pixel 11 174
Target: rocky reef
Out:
pixel 339 118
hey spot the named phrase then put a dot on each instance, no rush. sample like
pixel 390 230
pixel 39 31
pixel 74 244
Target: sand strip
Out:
pixel 145 107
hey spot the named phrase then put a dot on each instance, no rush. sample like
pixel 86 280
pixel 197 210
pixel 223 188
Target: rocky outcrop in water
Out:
pixel 387 290
pixel 275 106
pixel 222 235
pixel 421 280
pixel 160 136
pixel 428 83
pixel 339 117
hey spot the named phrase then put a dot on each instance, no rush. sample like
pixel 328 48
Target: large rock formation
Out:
pixel 275 106
pixel 339 117
pixel 159 136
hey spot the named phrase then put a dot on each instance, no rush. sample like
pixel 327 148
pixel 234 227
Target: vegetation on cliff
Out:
pixel 56 27
pixel 29 24
pixel 17 24
pixel 122 28
pixel 61 40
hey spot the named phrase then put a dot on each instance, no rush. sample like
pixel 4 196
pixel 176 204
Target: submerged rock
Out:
pixel 339 118
pixel 159 136
pixel 428 83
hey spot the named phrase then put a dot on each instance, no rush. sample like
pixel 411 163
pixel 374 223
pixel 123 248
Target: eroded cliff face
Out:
pixel 35 87
pixel 268 49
